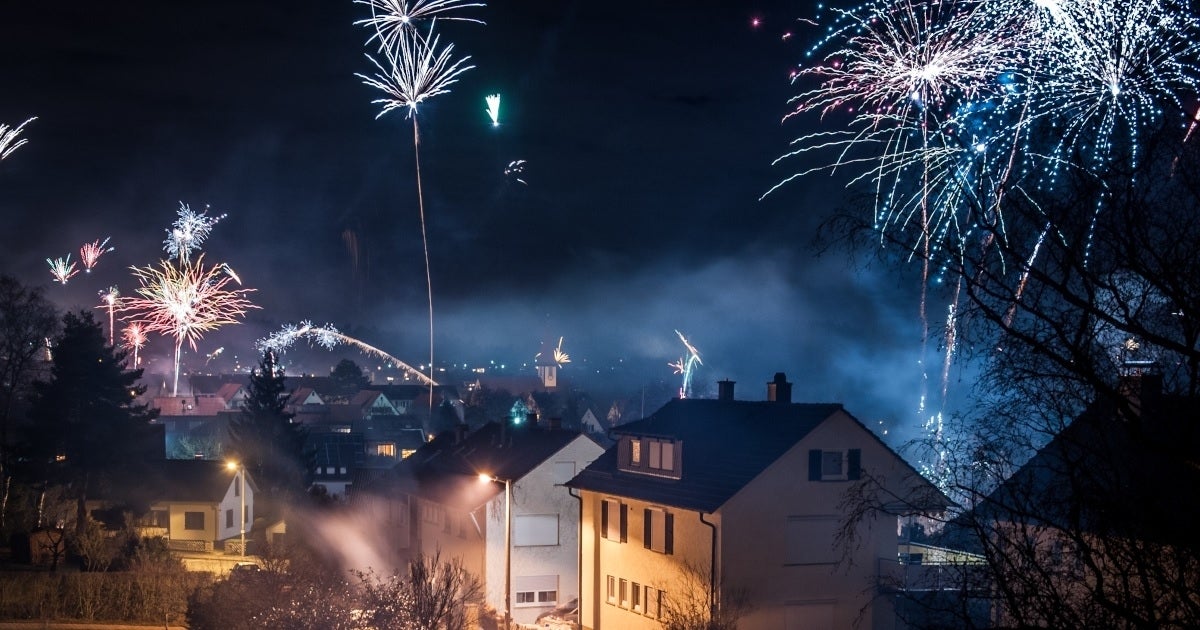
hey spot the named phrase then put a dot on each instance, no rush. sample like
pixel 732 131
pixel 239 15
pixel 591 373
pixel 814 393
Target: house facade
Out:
pixel 709 501
pixel 197 505
pixel 437 502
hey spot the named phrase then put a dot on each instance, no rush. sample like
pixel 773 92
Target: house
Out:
pixel 194 504
pixel 1097 527
pixel 705 499
pixel 436 501
pixel 336 457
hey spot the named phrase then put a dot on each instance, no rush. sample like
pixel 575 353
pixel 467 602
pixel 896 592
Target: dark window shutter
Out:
pixel 814 465
pixel 624 522
pixel 854 464
pixel 669 535
pixel 646 528
pixel 603 518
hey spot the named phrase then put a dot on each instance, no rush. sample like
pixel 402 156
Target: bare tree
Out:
pixel 691 604
pixel 433 595
pixel 27 321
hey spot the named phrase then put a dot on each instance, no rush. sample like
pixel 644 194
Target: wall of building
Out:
pixel 540 492
pixel 779 544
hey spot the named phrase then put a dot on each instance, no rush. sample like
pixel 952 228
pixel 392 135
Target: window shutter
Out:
pixel 624 522
pixel 814 465
pixel 647 530
pixel 854 464
pixel 669 534
pixel 604 518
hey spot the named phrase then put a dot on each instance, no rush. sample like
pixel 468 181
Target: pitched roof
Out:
pixel 337 449
pixel 1112 474
pixel 724 445
pixel 189 480
pixel 447 469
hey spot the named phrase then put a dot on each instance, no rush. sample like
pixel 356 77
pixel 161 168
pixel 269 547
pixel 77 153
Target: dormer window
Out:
pixel 650 456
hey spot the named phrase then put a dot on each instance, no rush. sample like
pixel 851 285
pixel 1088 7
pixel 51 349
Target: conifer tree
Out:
pixel 87 430
pixel 265 439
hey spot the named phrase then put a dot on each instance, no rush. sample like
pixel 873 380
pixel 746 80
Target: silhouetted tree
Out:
pixel 265 439
pixel 87 430
pixel 349 378
pixel 27 321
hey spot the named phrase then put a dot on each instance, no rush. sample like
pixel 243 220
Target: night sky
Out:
pixel 648 132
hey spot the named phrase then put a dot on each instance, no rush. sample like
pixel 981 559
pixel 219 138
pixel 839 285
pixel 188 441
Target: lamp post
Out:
pixel 241 471
pixel 507 545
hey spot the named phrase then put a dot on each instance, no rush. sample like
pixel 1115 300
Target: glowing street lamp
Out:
pixel 486 478
pixel 241 471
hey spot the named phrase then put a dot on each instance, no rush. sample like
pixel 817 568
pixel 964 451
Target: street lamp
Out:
pixel 486 478
pixel 241 471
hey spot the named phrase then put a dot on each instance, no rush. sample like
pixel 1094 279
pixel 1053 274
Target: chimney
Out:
pixel 725 389
pixel 779 390
pixel 555 423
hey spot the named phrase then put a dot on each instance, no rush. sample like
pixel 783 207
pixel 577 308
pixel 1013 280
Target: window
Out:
pixel 237 488
pixel 228 518
pixel 635 598
pixel 610 593
pixel 563 471
pixel 810 539
pixel 635 452
pixel 614 520
pixel 662 456
pixel 246 514
pixel 530 530
pixel 624 593
pixel 329 470
pixel 658 530
pixel 834 464
pixel 653 608
pixel 387 450
pixel 536 590
pixel 193 520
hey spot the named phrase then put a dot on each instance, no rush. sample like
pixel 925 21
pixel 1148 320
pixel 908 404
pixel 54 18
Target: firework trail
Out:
pixel 415 71
pixel 212 355
pixel 184 302
pixel 10 139
pixel 90 253
pixel 188 232
pixel 62 268
pixel 392 20
pixel 109 299
pixel 329 338
pixel 134 336
pixel 493 108
pixel 687 366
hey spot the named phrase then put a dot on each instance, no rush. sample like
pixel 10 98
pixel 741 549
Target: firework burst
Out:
pixel 493 108
pixel 185 302
pixel 62 268
pixel 188 232
pixel 392 20
pixel 10 138
pixel 90 253
pixel 329 338
pixel 134 336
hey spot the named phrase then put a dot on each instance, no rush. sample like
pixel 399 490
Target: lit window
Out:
pixel 387 450
pixel 635 452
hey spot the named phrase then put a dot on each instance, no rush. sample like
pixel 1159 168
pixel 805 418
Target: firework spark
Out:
pixel 62 268
pixel 134 336
pixel 184 302
pixel 329 338
pixel 415 70
pixel 561 357
pixel 90 253
pixel 10 139
pixel 493 108
pixel 188 232
pixel 392 20
pixel 515 170
pixel 687 366
pixel 109 299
